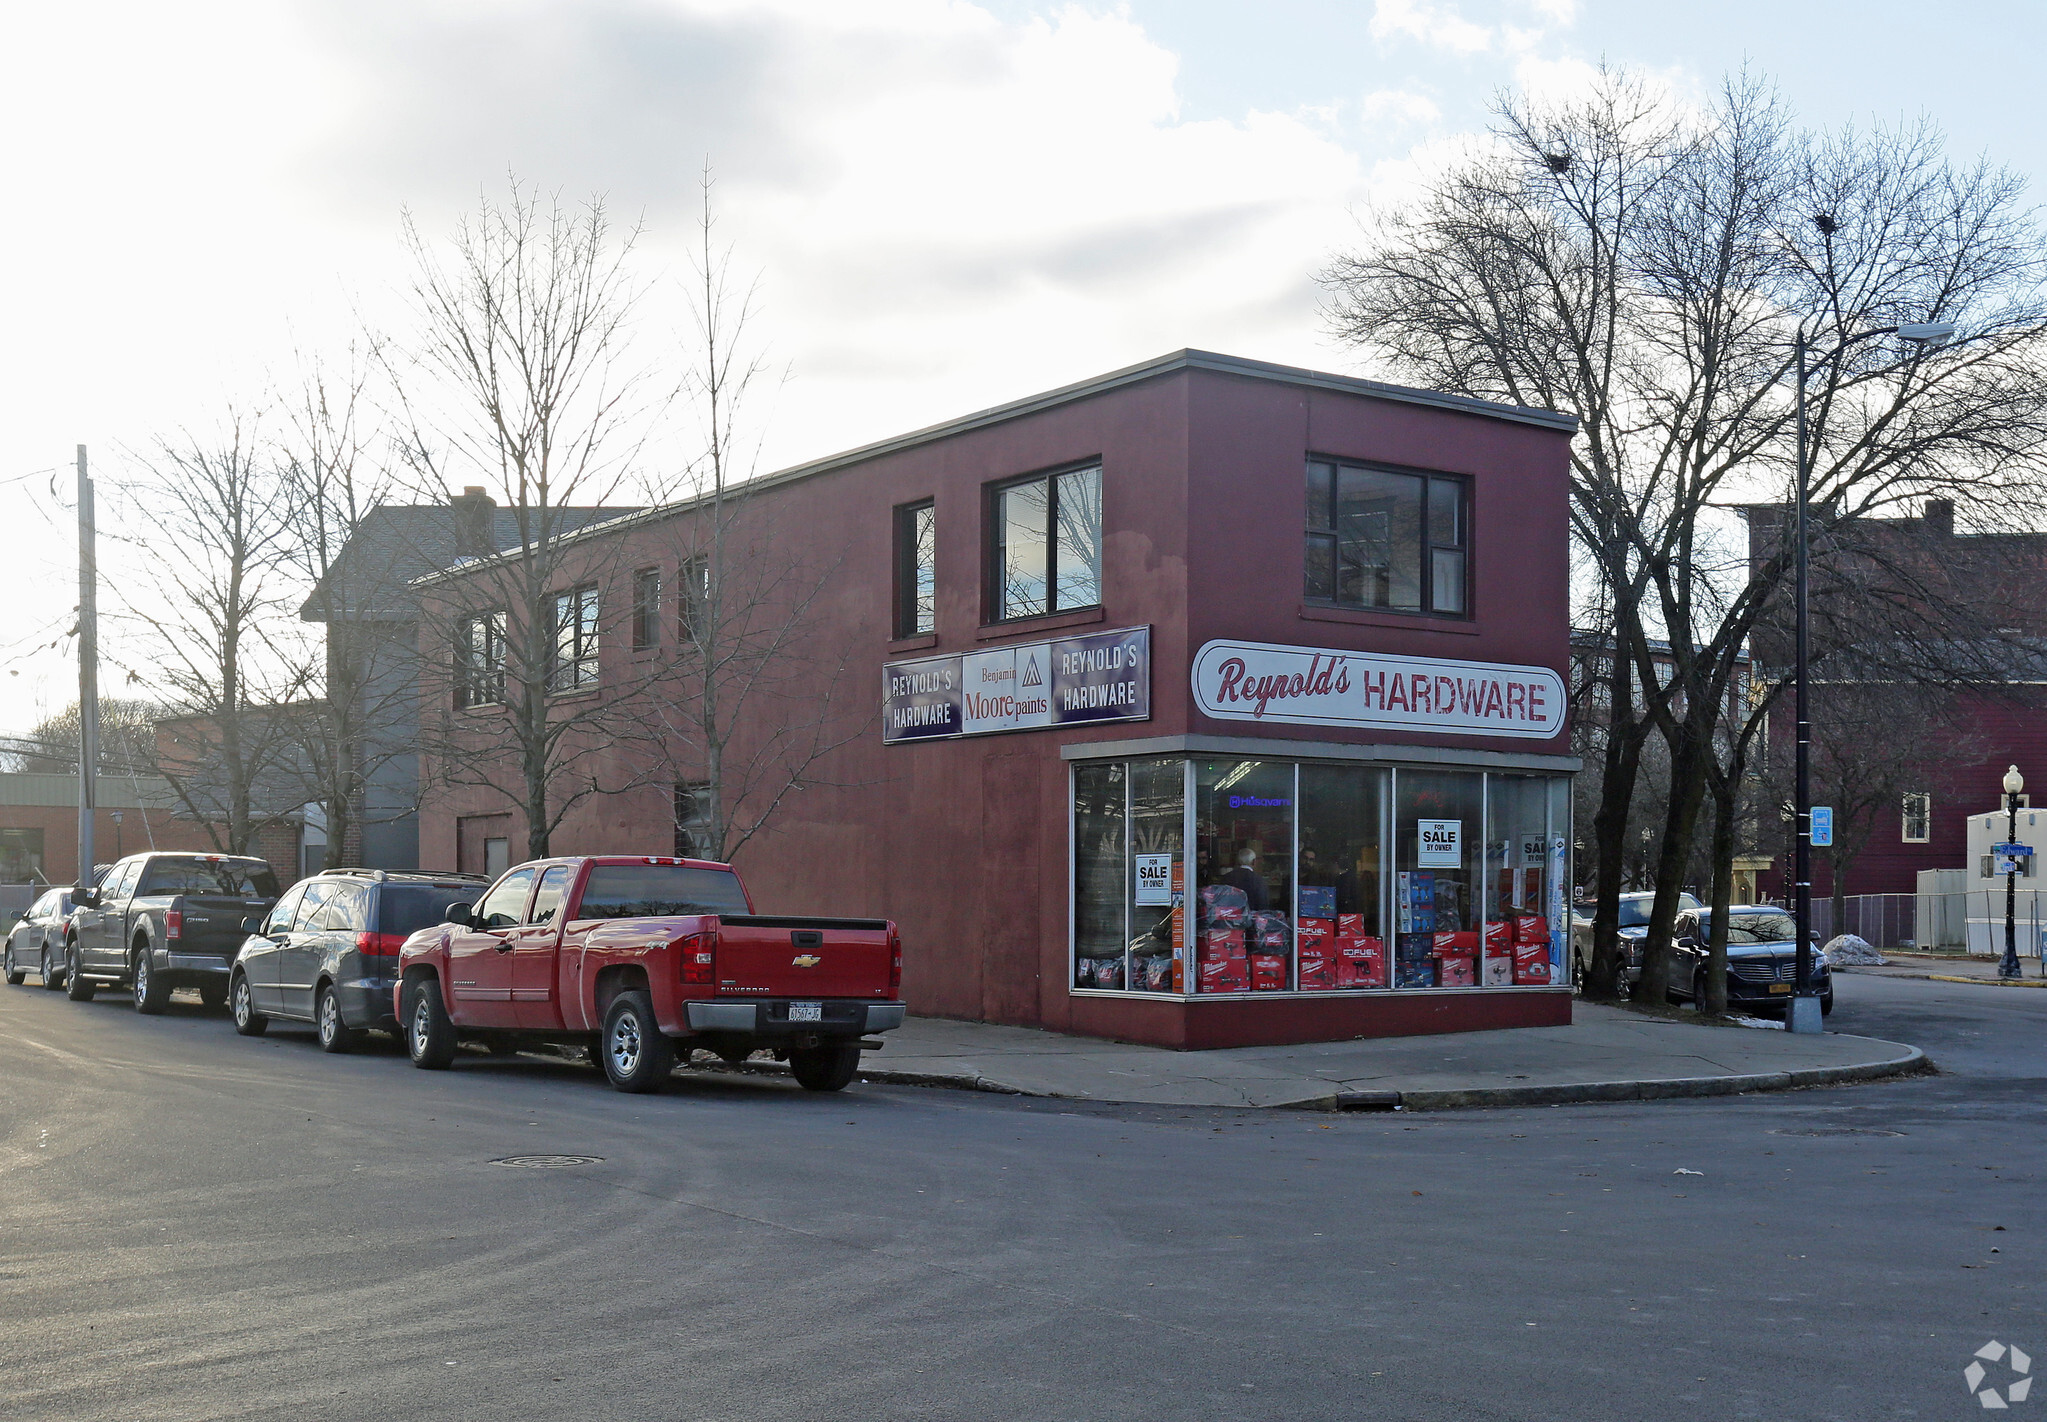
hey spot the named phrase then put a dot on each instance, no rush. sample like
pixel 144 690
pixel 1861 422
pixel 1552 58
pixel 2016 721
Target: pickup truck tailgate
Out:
pixel 212 923
pixel 772 956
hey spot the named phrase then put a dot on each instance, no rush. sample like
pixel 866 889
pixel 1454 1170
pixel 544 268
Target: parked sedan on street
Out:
pixel 1762 959
pixel 35 944
pixel 328 952
pixel 1634 926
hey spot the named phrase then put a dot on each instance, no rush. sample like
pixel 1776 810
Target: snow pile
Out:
pixel 1849 949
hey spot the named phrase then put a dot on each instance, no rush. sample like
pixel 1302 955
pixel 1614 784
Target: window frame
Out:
pixel 692 598
pixel 684 845
pixel 1428 545
pixel 646 632
pixel 480 684
pixel 910 541
pixel 992 544
pixel 585 639
pixel 1923 813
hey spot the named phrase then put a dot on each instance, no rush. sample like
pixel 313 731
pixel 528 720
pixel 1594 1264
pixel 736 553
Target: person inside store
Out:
pixel 1244 875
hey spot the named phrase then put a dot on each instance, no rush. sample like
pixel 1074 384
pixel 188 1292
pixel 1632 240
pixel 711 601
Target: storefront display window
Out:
pixel 1244 836
pixel 1437 817
pixel 1341 943
pixel 1313 877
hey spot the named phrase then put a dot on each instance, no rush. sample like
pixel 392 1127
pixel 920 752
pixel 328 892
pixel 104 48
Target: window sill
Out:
pixel 588 693
pixel 1413 621
pixel 914 644
pixel 1023 626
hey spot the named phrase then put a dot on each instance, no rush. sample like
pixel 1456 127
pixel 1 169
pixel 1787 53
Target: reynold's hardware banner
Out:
pixel 1312 686
pixel 1071 681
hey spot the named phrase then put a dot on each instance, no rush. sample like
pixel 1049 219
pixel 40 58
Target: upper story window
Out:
pixel 916 550
pixel 480 660
pixel 573 666
pixel 1046 544
pixel 1381 538
pixel 693 598
pixel 1918 817
pixel 646 608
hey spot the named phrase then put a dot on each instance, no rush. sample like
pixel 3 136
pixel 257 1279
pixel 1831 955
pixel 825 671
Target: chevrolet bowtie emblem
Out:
pixel 806 960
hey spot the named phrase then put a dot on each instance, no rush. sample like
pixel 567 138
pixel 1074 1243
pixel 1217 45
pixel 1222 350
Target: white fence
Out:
pixel 1971 921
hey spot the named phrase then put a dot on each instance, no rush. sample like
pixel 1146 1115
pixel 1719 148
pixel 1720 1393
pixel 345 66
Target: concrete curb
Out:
pixel 1989 982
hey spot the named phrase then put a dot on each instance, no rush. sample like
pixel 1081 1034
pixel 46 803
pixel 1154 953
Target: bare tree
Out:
pixel 127 740
pixel 751 704
pixel 517 382
pixel 1647 268
pixel 210 594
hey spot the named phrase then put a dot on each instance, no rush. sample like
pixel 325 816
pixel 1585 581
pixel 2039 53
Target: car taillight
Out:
pixel 173 923
pixel 699 958
pixel 895 963
pixel 379 945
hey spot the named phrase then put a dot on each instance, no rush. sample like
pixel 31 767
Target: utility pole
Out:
pixel 88 677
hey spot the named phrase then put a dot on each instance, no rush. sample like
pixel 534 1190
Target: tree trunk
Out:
pixel 1726 807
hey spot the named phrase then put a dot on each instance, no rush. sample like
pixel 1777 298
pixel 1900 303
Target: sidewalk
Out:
pixel 1948 968
pixel 1606 1054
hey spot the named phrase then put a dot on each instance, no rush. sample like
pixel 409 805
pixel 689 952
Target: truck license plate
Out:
pixel 1780 987
pixel 806 1012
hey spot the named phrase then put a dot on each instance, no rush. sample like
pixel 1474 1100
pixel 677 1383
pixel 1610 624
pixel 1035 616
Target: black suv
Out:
pixel 328 952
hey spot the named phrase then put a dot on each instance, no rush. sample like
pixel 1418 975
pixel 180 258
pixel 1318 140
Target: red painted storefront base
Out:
pixel 1248 1020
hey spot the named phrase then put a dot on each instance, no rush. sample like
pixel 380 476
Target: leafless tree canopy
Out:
pixel 1647 267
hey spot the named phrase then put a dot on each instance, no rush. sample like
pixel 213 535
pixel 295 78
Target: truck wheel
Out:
pixel 429 1035
pixel 335 1034
pixel 636 1056
pixel 825 1068
pixel 77 986
pixel 152 989
pixel 242 1007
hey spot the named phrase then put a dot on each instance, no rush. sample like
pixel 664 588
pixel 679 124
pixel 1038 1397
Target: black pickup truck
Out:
pixel 161 921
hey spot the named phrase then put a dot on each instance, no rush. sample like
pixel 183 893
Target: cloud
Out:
pixel 1398 108
pixel 1438 26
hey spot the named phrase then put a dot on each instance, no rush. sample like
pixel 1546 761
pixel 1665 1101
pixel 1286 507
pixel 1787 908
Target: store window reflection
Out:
pixel 1340 942
pixel 1099 931
pixel 1437 823
pixel 1157 824
pixel 1244 827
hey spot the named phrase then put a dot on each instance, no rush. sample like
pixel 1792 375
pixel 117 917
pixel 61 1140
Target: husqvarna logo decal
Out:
pixel 805 960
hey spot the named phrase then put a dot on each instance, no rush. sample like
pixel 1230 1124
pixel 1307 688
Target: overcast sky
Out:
pixel 949 204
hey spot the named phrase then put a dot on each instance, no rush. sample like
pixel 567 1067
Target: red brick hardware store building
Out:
pixel 1212 703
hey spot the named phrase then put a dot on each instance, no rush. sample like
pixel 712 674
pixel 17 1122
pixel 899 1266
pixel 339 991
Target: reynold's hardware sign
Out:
pixel 1311 686
pixel 1101 676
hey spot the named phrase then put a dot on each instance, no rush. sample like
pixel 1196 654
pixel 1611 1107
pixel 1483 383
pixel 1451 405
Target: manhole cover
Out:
pixel 548 1162
pixel 1837 1131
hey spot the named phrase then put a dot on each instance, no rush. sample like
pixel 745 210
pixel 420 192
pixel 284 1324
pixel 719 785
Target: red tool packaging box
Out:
pixel 1456 970
pixel 1268 972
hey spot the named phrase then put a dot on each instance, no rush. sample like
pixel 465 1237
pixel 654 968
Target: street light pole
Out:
pixel 2013 784
pixel 1805 1015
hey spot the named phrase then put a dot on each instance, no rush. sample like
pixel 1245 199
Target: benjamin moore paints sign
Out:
pixel 1073 681
pixel 1310 686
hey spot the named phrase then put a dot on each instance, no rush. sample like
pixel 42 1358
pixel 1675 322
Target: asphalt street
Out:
pixel 202 1226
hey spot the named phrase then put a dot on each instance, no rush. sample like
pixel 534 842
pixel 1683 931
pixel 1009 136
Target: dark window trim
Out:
pixel 490 676
pixel 1427 548
pixel 583 665
pixel 691 585
pixel 903 533
pixel 991 540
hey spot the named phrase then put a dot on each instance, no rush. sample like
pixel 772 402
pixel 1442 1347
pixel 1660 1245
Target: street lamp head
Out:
pixel 1927 333
pixel 2013 781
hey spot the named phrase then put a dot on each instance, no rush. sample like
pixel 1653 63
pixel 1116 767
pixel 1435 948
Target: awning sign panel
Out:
pixel 1313 686
pixel 1102 676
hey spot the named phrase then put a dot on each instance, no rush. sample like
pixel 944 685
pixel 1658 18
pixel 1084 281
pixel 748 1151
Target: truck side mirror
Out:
pixel 463 914
pixel 86 898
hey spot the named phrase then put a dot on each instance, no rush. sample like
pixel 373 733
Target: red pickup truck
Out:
pixel 637 956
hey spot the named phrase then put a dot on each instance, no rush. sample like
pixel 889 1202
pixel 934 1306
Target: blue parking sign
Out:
pixel 1822 825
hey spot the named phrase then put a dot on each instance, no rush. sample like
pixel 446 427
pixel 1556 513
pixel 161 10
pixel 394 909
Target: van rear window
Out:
pixel 407 908
pixel 659 890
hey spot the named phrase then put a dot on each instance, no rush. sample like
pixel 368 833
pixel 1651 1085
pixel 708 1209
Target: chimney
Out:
pixel 475 515
pixel 1940 517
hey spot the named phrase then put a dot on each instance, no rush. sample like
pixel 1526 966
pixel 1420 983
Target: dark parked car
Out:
pixel 1633 928
pixel 1762 959
pixel 36 942
pixel 160 921
pixel 328 952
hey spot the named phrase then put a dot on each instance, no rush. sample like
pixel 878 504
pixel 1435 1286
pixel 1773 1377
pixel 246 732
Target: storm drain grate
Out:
pixel 548 1162
pixel 1837 1131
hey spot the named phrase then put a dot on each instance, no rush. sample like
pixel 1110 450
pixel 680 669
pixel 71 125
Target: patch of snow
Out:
pixel 1848 949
